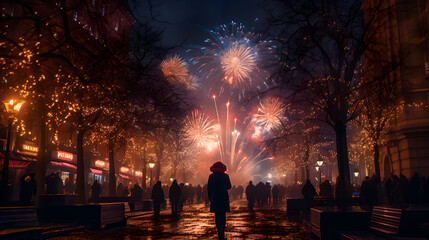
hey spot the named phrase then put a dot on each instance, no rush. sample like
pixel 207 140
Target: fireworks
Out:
pixel 199 129
pixel 175 70
pixel 192 83
pixel 270 113
pixel 235 61
pixel 238 63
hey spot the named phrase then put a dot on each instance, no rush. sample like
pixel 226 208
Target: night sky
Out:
pixel 188 21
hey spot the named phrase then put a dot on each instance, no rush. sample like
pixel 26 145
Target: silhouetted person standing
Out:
pixel 250 195
pixel 95 191
pixel 157 197
pixel 26 191
pixel 174 195
pixel 275 192
pixel 217 188
pixel 308 191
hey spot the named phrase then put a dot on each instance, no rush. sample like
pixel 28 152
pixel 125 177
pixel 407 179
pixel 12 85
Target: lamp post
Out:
pixel 319 169
pixel 356 173
pixel 151 166
pixel 12 108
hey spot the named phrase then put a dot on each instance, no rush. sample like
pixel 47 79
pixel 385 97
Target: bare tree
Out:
pixel 322 46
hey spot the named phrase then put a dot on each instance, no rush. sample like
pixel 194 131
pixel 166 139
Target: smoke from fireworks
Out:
pixel 270 113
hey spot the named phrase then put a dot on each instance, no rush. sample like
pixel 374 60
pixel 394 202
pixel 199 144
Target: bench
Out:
pixel 385 223
pixel 91 215
pixel 19 223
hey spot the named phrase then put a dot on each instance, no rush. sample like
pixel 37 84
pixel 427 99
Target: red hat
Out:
pixel 218 167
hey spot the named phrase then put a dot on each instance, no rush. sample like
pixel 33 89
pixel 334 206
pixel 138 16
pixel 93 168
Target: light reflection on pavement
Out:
pixel 196 222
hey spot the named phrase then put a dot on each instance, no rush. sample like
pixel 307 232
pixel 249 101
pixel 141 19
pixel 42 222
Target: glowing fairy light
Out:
pixel 238 63
pixel 175 69
pixel 270 113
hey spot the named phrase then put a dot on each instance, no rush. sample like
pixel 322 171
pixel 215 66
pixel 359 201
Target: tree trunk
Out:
pixel 159 155
pixel 144 168
pixel 376 159
pixel 342 152
pixel 112 177
pixel 80 181
pixel 41 159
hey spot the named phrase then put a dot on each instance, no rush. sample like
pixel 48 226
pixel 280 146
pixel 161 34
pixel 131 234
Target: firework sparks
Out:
pixel 175 70
pixel 199 128
pixel 192 83
pixel 235 61
pixel 270 113
pixel 238 63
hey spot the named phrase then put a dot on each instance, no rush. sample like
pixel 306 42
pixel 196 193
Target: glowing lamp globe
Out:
pixel 356 173
pixel 319 163
pixel 13 106
pixel 151 163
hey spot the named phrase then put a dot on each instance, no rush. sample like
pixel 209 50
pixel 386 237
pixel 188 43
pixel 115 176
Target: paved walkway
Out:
pixel 196 222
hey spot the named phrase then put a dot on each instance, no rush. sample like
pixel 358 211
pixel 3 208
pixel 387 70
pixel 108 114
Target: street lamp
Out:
pixel 356 173
pixel 320 174
pixel 151 166
pixel 12 107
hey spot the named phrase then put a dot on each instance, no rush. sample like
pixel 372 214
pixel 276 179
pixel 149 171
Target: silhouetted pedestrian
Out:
pixel 308 191
pixel 157 198
pixel 326 190
pixel 137 192
pixel 275 192
pixel 250 195
pixel 217 187
pixel 26 191
pixel 260 193
pixel 51 186
pixel 181 197
pixel 174 195
pixel 198 192
pixel 95 191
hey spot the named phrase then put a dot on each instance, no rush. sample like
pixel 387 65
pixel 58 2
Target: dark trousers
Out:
pixel 220 220
pixel 174 208
pixel 250 204
pixel 156 208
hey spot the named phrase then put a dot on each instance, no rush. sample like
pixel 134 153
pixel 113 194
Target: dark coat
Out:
pixel 157 194
pixel 217 188
pixel 250 193
pixel 174 193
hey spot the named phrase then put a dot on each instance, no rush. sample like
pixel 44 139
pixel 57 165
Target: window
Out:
pixel 103 10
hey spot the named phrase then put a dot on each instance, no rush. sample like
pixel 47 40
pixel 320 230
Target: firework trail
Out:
pixel 231 144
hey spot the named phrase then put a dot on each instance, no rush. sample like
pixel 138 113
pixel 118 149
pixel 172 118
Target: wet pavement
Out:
pixel 196 222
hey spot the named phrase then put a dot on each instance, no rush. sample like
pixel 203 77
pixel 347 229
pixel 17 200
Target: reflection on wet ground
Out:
pixel 196 222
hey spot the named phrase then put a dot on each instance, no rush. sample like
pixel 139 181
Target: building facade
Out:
pixel 407 143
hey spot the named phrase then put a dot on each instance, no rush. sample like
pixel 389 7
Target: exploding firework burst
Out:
pixel 199 129
pixel 235 61
pixel 238 63
pixel 192 83
pixel 175 70
pixel 270 113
